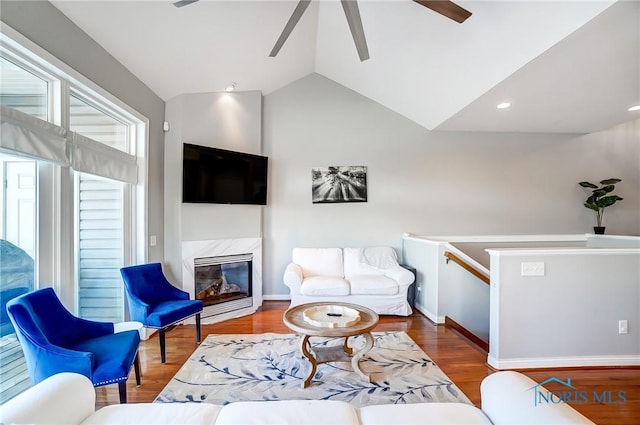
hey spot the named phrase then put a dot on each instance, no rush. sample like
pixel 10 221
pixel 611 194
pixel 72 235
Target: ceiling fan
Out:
pixel 352 12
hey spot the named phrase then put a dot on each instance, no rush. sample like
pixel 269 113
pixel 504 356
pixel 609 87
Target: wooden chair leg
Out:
pixel 122 389
pixel 162 345
pixel 136 368
pixel 198 328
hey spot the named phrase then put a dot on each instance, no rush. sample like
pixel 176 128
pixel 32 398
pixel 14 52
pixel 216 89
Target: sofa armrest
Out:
pixel 64 398
pixel 510 397
pixel 293 277
pixel 401 275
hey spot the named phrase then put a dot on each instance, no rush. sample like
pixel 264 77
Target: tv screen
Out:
pixel 218 176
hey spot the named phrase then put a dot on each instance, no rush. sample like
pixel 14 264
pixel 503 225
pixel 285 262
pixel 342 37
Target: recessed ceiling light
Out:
pixel 634 108
pixel 230 87
pixel 503 105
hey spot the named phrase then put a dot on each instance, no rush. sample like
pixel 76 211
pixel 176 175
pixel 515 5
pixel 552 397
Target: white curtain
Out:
pixel 25 135
pixel 99 159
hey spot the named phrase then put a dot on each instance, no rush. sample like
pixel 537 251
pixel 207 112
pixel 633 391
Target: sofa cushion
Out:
pixel 319 261
pixel 368 261
pixel 372 285
pixel 324 286
pixel 155 414
pixel 294 412
pixel 422 414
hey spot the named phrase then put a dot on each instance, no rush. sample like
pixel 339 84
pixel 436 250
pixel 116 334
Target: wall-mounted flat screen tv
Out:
pixel 218 176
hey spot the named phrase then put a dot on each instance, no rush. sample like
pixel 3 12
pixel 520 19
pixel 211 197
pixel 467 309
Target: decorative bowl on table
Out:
pixel 331 316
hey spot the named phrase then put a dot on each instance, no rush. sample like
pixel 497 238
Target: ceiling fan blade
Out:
pixel 293 20
pixel 352 12
pixel 181 3
pixel 446 8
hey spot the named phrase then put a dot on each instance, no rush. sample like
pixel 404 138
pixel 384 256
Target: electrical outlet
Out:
pixel 623 327
pixel 532 269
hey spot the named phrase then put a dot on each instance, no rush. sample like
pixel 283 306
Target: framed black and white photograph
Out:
pixel 339 184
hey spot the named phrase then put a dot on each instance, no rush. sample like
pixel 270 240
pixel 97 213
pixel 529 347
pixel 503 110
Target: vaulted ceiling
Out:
pixel 565 66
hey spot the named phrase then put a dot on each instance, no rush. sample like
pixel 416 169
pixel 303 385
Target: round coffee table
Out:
pixel 294 320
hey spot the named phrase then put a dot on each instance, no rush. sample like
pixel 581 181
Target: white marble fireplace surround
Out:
pixel 214 248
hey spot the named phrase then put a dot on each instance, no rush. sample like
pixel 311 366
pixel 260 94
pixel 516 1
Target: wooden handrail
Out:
pixel 468 267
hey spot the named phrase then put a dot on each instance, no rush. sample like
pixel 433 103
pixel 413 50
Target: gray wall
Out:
pixel 569 316
pixel 426 182
pixel 43 24
pixel 419 181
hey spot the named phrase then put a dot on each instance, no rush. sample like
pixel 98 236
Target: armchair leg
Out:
pixel 122 389
pixel 162 345
pixel 136 368
pixel 198 328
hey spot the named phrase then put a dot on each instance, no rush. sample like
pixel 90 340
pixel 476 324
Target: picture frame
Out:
pixel 339 184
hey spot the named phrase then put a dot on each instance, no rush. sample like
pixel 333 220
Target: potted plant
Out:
pixel 599 199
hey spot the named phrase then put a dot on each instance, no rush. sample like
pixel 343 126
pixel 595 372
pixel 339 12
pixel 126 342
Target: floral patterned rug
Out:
pixel 228 368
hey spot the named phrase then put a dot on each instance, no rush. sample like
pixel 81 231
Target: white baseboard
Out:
pixel 554 362
pixel 430 315
pixel 276 297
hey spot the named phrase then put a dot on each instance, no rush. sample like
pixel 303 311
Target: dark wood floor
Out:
pixel 461 361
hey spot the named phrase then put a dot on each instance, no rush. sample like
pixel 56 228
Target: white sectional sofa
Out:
pixel 69 398
pixel 369 276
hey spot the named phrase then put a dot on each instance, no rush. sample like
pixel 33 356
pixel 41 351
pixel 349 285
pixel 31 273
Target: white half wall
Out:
pixel 570 315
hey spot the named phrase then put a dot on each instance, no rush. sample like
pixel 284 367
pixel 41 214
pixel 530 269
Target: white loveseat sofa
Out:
pixel 369 276
pixel 69 398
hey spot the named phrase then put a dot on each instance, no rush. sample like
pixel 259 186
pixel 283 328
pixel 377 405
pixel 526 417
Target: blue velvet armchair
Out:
pixel 155 302
pixel 53 341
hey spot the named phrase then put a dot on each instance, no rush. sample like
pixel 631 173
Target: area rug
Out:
pixel 229 368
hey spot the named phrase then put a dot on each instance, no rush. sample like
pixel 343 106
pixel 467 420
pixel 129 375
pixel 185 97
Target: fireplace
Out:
pixel 223 280
pixel 226 275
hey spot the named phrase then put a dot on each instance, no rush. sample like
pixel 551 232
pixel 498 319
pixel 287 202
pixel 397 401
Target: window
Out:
pixel 22 90
pixel 73 191
pixel 100 126
pixel 100 215
pixel 100 243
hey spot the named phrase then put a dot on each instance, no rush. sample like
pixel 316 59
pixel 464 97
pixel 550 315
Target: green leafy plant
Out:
pixel 601 197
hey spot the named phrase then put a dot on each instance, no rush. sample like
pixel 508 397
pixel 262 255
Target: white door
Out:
pixel 20 205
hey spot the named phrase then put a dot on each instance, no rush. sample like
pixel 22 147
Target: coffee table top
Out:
pixel 294 320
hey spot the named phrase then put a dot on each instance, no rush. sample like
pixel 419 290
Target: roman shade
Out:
pixel 25 135
pixel 28 136
pixel 89 156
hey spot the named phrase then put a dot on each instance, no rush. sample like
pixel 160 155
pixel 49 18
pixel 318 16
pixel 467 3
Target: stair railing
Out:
pixel 451 323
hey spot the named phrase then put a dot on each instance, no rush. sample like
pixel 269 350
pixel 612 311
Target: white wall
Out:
pixel 444 288
pixel 569 316
pixel 224 120
pixel 425 182
pixel 425 258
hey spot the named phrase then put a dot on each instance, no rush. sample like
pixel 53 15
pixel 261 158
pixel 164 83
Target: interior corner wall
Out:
pixel 47 27
pixel 231 121
pixel 427 182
